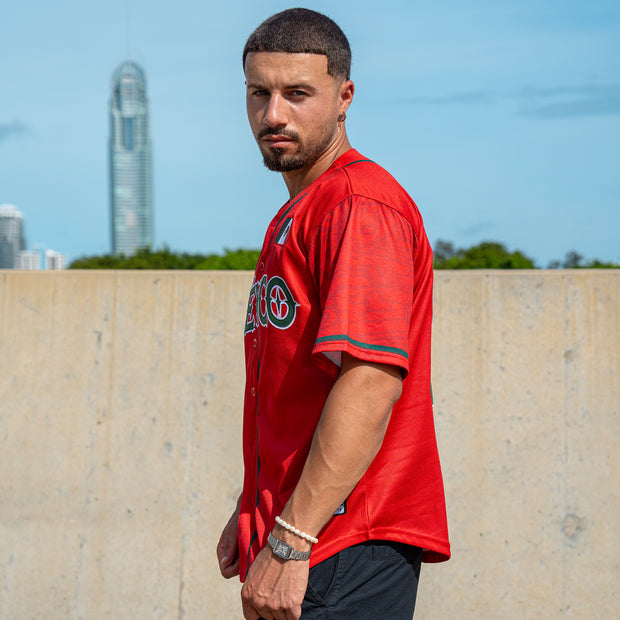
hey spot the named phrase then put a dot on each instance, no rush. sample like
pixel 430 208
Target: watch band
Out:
pixel 284 550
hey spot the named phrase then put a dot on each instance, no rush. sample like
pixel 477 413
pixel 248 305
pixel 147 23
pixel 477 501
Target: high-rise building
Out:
pixel 12 240
pixel 55 260
pixel 29 260
pixel 131 186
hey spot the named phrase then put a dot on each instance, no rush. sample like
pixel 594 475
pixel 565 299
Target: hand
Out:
pixel 228 547
pixel 274 589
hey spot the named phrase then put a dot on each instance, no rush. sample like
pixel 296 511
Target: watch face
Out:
pixel 282 549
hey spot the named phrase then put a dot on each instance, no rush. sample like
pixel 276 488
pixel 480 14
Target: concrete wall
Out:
pixel 120 410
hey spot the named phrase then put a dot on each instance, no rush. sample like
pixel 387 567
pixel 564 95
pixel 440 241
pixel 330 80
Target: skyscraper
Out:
pixel 12 240
pixel 131 186
pixel 28 259
pixel 54 260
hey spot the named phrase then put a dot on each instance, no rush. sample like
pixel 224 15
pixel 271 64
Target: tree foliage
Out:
pixel 486 255
pixel 166 259
pixel 574 260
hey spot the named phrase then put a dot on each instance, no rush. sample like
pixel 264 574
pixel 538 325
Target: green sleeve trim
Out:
pixel 357 161
pixel 364 345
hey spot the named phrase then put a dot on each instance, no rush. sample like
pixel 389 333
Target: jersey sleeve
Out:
pixel 362 258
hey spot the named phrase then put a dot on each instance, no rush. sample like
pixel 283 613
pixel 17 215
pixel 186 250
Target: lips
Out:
pixel 277 141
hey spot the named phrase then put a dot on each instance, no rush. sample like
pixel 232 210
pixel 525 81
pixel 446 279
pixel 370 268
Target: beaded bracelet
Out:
pixel 294 530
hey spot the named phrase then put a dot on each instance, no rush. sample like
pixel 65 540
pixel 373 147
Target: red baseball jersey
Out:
pixel 345 266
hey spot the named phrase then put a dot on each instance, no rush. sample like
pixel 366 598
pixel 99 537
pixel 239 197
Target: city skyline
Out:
pixel 13 252
pixel 502 120
pixel 131 184
pixel 12 240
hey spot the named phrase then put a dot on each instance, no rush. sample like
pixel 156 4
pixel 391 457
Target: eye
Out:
pixel 297 94
pixel 260 92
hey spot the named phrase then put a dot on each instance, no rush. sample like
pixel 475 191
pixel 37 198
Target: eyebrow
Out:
pixel 300 86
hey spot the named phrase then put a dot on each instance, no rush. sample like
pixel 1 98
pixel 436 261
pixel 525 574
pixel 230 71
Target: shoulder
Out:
pixel 353 179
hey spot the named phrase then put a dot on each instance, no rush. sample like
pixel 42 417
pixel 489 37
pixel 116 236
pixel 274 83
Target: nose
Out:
pixel 275 113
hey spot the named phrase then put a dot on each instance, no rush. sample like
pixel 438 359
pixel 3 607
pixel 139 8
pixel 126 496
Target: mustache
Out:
pixel 270 131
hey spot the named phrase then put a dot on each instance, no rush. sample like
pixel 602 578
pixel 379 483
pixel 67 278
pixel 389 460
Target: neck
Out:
pixel 297 180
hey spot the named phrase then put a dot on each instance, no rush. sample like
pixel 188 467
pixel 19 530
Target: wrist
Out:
pixel 291 539
pixel 284 551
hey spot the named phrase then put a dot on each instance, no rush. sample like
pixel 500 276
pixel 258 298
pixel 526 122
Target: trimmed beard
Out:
pixel 274 159
pixel 278 161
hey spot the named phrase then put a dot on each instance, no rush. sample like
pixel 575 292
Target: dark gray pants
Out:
pixel 369 581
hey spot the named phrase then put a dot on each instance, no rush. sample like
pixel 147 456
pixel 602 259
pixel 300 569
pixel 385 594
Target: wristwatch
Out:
pixel 284 550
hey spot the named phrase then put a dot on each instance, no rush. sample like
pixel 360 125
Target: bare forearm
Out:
pixel 345 443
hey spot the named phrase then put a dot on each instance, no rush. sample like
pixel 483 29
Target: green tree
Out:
pixel 232 259
pixel 597 264
pixel 485 255
pixel 443 251
pixel 166 259
pixel 574 260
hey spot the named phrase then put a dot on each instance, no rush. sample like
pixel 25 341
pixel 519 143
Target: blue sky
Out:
pixel 500 117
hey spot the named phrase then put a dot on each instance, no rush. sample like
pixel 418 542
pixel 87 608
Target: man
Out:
pixel 339 441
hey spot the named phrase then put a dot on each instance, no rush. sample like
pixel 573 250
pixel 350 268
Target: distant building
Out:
pixel 131 186
pixel 55 260
pixel 12 240
pixel 29 260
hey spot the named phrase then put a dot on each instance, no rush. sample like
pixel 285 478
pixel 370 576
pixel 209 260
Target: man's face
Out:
pixel 293 106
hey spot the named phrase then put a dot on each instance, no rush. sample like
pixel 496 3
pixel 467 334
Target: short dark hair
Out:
pixel 302 31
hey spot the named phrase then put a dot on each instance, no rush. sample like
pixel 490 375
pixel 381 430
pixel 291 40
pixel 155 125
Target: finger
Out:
pixel 249 613
pixel 273 614
pixel 232 570
pixel 225 541
pixel 221 546
pixel 227 560
pixel 227 550
pixel 293 613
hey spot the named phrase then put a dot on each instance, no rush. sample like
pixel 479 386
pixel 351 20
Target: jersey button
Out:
pixel 254 342
pixel 261 266
pixel 253 391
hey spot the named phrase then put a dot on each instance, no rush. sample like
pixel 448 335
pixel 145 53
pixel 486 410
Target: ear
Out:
pixel 347 89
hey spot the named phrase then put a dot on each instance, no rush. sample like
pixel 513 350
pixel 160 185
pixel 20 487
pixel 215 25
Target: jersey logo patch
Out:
pixel 271 302
pixel 285 229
